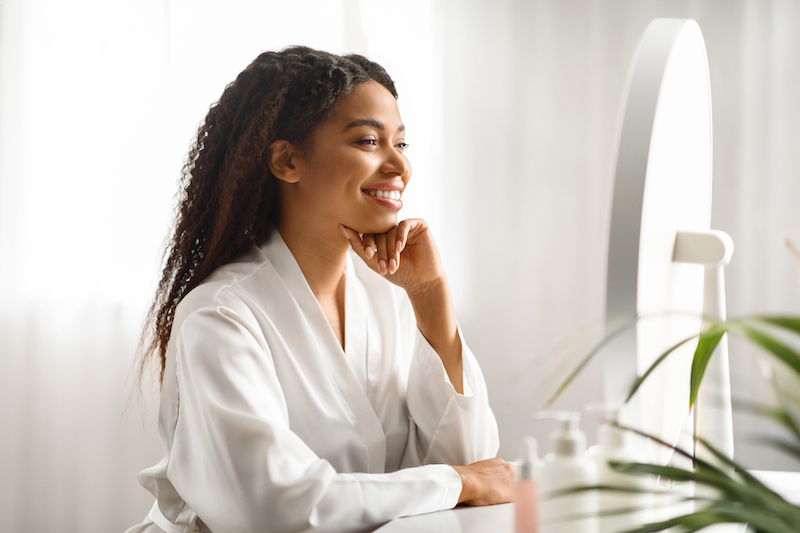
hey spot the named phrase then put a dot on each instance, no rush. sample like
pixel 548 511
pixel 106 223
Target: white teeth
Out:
pixel 391 195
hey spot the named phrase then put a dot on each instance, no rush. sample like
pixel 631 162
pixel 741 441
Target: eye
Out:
pixel 369 142
pixel 402 146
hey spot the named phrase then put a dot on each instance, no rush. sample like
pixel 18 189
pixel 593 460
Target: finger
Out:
pixel 402 235
pixel 391 250
pixel 401 238
pixel 383 255
pixel 369 246
pixel 355 241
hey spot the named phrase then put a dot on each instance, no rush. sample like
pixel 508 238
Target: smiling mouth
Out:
pixel 390 195
pixel 389 199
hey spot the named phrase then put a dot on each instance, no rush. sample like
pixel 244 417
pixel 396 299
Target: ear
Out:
pixel 282 159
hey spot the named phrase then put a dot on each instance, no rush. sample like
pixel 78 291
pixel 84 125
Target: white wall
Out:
pixel 533 89
pixel 511 110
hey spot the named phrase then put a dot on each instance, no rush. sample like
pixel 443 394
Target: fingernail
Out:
pixel 369 252
pixel 382 266
pixel 392 266
pixel 398 247
pixel 344 232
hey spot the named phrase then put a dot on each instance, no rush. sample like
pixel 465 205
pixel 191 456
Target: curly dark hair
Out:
pixel 229 195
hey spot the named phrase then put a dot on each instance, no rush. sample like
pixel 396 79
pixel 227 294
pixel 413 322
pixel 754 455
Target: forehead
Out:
pixel 368 101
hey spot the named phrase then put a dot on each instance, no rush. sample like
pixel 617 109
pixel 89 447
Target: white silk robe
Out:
pixel 269 426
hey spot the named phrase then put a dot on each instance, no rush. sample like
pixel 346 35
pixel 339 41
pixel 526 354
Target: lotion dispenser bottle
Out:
pixel 617 444
pixel 568 466
pixel 526 493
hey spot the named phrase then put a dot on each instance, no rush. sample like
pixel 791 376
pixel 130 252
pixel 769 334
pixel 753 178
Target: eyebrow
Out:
pixel 370 122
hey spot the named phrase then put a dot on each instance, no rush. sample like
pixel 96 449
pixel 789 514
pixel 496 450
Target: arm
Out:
pixel 456 429
pixel 407 256
pixel 436 320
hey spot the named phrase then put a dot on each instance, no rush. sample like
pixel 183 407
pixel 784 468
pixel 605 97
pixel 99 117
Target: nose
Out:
pixel 396 163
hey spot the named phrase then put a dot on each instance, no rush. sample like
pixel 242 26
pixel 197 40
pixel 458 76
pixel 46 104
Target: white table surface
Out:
pixel 489 519
pixel 500 518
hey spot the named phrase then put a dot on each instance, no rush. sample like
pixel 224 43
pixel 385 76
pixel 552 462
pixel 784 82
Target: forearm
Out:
pixel 436 320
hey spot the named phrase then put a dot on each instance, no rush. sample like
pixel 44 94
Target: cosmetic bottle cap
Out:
pixel 530 458
pixel 569 440
pixel 609 435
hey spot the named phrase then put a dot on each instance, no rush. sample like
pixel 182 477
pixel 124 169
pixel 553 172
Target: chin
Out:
pixel 376 226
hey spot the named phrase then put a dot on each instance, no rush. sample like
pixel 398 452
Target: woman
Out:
pixel 305 386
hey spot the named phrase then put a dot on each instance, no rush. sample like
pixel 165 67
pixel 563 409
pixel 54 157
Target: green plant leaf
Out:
pixel 734 495
pixel 676 449
pixel 689 523
pixel 715 478
pixel 737 496
pixel 754 491
pixel 621 324
pixel 744 488
pixel 778 414
pixel 758 518
pixel 774 346
pixel 791 323
pixel 741 471
pixel 790 401
pixel 640 380
pixel 788 447
pixel 706 345
pixel 606 488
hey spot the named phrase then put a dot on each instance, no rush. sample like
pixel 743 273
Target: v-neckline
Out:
pixel 355 316
pixel 341 313
pixel 350 371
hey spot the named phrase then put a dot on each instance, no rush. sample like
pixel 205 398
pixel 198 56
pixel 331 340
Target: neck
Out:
pixel 321 254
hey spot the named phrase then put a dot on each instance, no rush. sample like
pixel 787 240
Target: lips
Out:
pixel 386 194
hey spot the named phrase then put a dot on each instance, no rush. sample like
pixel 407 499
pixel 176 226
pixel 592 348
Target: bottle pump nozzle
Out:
pixel 609 435
pixel 569 440
pixel 530 458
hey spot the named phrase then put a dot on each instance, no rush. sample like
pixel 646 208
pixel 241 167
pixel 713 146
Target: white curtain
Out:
pixel 511 109
pixel 98 104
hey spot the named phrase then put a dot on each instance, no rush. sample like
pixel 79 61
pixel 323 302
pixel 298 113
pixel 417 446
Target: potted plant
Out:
pixel 732 494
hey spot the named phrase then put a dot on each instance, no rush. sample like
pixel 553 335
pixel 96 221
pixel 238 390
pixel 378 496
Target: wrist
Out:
pixel 466 483
pixel 435 314
pixel 429 291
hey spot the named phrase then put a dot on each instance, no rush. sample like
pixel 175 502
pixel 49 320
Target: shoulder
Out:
pixel 215 331
pixel 226 295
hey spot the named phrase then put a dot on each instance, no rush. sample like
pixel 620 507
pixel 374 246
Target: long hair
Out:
pixel 228 194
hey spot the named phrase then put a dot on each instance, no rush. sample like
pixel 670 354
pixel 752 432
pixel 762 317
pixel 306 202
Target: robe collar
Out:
pixel 348 369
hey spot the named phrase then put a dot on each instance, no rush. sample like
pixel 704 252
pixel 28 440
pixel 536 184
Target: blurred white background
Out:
pixel 511 108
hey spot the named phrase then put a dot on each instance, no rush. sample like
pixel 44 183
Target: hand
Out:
pixel 406 254
pixel 421 274
pixel 486 482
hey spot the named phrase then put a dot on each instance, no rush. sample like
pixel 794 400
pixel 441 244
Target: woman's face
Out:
pixel 353 171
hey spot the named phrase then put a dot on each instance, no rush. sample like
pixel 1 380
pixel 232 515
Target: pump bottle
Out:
pixel 567 467
pixel 617 444
pixel 526 493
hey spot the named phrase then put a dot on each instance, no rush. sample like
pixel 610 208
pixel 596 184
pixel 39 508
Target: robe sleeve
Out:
pixel 235 461
pixel 450 428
